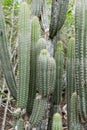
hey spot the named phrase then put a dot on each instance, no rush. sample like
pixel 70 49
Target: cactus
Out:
pixel 59 58
pixel 35 33
pixel 37 7
pixel 38 112
pixel 15 118
pixel 54 15
pixel 20 124
pixel 5 58
pixel 23 55
pixel 58 15
pixel 70 74
pixel 85 53
pixel 80 30
pixel 41 44
pixel 46 75
pixel 74 121
pixel 57 122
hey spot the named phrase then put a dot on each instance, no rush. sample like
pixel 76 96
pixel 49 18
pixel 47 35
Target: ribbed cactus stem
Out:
pixel 23 55
pixel 20 124
pixel 46 73
pixel 59 58
pixel 35 34
pixel 74 121
pixel 58 15
pixel 57 122
pixel 41 44
pixel 5 58
pixel 38 112
pixel 70 74
pixel 37 7
pixel 16 116
pixel 80 53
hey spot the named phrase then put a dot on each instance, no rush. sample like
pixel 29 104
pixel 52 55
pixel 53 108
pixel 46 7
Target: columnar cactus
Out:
pixel 74 121
pixel 5 58
pixel 80 54
pixel 59 58
pixel 15 118
pixel 37 7
pixel 38 112
pixel 58 15
pixel 20 124
pixel 85 53
pixel 35 34
pixel 41 44
pixel 70 74
pixel 46 68
pixel 23 55
pixel 57 122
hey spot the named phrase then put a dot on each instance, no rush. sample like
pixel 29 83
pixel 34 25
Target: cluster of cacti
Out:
pixel 40 73
pixel 46 71
pixel 5 58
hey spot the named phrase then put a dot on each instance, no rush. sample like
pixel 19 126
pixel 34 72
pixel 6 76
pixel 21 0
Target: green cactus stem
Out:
pixel 37 7
pixel 58 15
pixel 35 34
pixel 80 54
pixel 20 124
pixel 70 74
pixel 38 112
pixel 41 44
pixel 46 76
pixel 59 58
pixel 16 116
pixel 5 58
pixel 57 122
pixel 74 121
pixel 23 55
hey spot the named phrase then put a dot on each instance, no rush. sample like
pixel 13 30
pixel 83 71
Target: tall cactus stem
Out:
pixel 5 58
pixel 35 34
pixel 23 55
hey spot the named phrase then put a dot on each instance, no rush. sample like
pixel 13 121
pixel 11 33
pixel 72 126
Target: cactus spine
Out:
pixel 80 29
pixel 35 34
pixel 46 69
pixel 70 74
pixel 59 58
pixel 5 58
pixel 23 55
pixel 38 112
pixel 57 122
